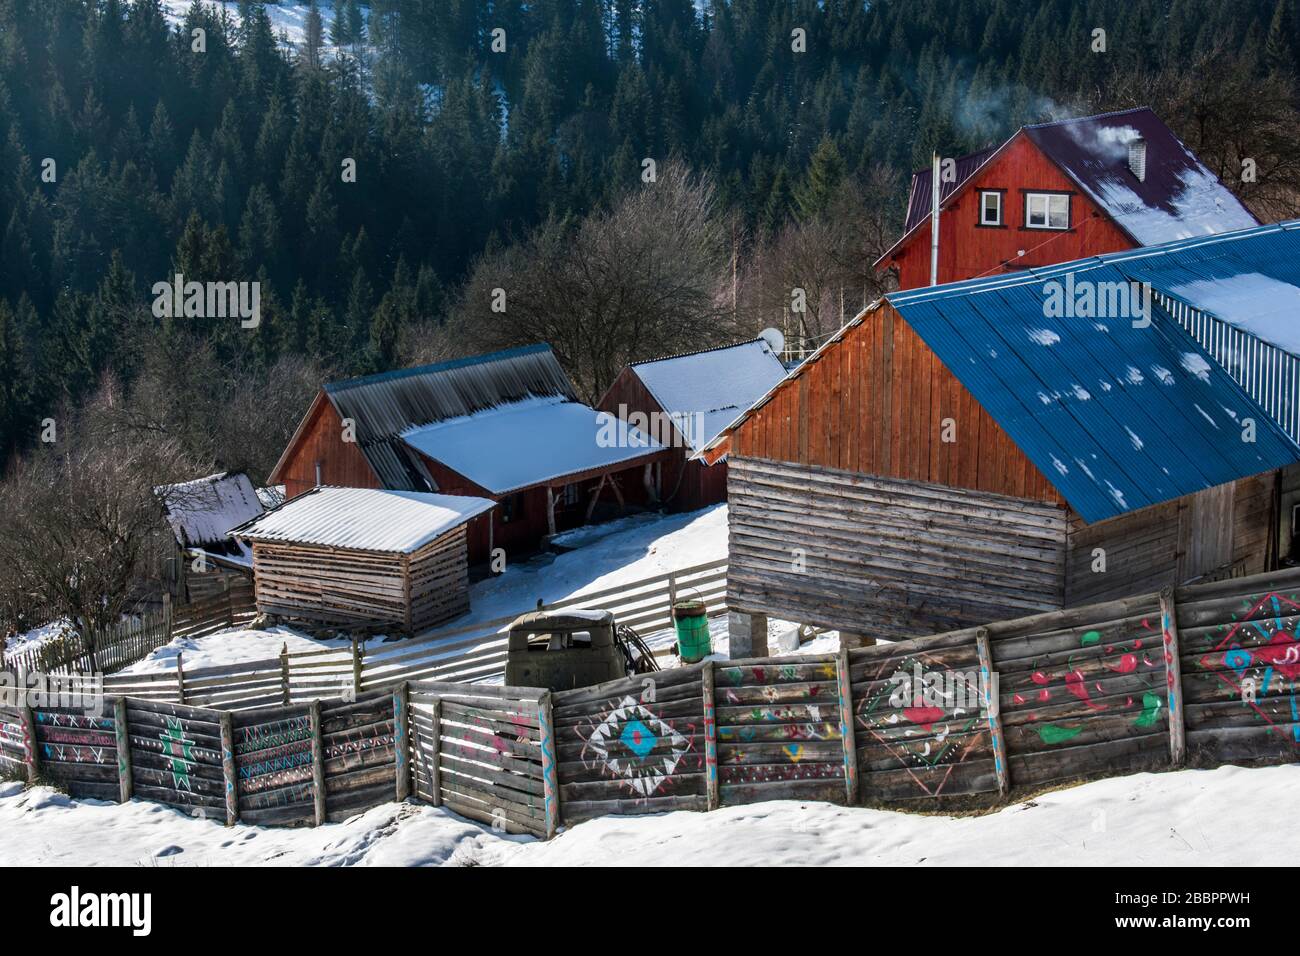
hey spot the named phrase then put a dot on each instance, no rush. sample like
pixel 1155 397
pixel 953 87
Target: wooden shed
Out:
pixel 505 426
pixel 956 456
pixel 683 401
pixel 364 559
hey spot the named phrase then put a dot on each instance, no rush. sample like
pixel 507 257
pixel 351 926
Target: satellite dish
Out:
pixel 774 339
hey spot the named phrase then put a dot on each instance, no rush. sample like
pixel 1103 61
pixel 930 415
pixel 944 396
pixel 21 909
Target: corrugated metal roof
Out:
pixel 918 200
pixel 363 519
pixel 1116 417
pixel 385 405
pixel 704 391
pixel 528 443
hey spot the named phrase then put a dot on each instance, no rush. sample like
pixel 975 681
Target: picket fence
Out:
pixel 473 653
pixel 1203 674
pixel 135 638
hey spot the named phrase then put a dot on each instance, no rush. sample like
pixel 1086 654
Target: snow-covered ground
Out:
pixel 1179 819
pixel 621 552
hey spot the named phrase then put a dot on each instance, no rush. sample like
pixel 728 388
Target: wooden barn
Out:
pixel 684 401
pixel 363 559
pixel 504 426
pixel 955 456
pixel 1055 192
pixel 200 514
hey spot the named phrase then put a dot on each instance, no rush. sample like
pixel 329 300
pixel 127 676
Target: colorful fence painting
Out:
pixel 632 746
pixel 1207 673
pixel 477 749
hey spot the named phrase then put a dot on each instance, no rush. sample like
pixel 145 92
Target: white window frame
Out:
pixel 984 195
pixel 1047 200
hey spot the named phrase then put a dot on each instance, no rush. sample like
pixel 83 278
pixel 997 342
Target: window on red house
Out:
pixel 990 208
pixel 1047 211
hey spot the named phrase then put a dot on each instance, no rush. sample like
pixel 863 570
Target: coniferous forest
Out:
pixel 632 178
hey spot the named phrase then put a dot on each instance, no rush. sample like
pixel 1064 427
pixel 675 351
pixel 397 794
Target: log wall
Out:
pixel 886 557
pixel 364 590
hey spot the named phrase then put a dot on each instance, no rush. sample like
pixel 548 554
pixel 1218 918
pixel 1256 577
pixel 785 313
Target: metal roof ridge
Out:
pixel 443 366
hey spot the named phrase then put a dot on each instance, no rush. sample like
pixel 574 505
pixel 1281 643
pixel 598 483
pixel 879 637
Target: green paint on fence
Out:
pixel 1052 734
pixel 1090 637
pixel 1150 710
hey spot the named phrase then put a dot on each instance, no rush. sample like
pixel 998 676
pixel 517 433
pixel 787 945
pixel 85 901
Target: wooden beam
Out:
pixel 847 736
pixel 1173 678
pixel 591 505
pixel 317 763
pixel 401 740
pixel 122 732
pixel 991 704
pixel 550 775
pixel 550 510
pixel 435 768
pixel 710 738
pixel 228 771
pixel 30 745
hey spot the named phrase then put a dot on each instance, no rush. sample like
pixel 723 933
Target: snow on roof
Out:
pixel 1265 307
pixel 530 442
pixel 1177 198
pixel 364 519
pixel 706 391
pixel 272 496
pixel 1117 414
pixel 202 512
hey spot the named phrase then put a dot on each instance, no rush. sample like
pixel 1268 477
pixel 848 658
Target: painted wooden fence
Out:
pixel 1208 673
pixel 475 653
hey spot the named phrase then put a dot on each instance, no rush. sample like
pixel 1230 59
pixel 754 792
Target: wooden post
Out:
pixel 1173 678
pixel 30 745
pixel 550 511
pixel 122 731
pixel 847 735
pixel 228 771
pixel 435 767
pixel 710 739
pixel 180 678
pixel 992 707
pixel 595 496
pixel 550 781
pixel 167 614
pixel 672 591
pixel 317 763
pixel 284 673
pixel 230 604
pixel 356 668
pixel 401 740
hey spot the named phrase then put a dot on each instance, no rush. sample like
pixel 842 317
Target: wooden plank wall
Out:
pixel 176 756
pixel 886 557
pixel 779 731
pixel 331 586
pixel 477 750
pixel 13 742
pixel 273 765
pixel 359 748
pixel 1228 531
pixel 439 580
pixel 632 746
pixel 876 402
pixel 1240 668
pixel 77 750
pixel 911 750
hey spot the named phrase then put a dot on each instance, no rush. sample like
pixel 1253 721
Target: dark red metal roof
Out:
pixel 918 203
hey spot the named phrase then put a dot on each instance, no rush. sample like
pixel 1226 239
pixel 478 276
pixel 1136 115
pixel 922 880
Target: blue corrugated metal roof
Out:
pixel 1117 418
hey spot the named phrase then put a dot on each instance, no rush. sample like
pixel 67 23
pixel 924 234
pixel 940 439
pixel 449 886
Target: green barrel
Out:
pixel 692 623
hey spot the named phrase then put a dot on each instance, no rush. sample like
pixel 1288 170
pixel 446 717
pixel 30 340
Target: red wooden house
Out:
pixel 504 426
pixel 1055 192
pixel 684 401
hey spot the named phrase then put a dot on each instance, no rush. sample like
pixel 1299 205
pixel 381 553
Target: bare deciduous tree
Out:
pixel 639 280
